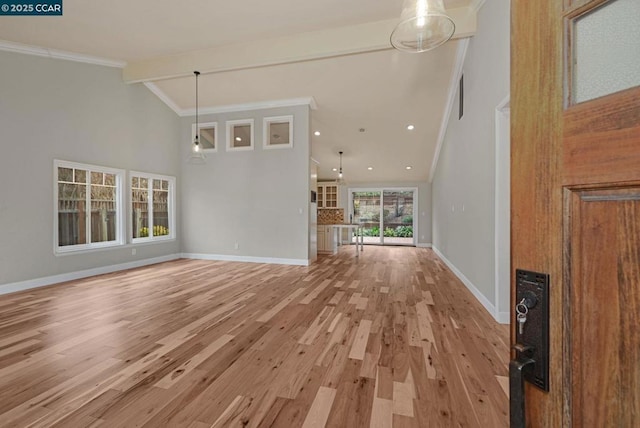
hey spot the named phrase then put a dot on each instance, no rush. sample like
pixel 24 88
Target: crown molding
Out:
pixel 453 88
pixel 8 46
pixel 164 97
pixel 476 5
pixel 260 105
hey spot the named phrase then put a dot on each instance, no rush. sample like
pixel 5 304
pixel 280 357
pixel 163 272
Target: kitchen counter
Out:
pixel 357 228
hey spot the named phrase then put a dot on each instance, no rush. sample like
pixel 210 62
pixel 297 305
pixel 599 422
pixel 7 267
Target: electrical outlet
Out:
pixel 236 246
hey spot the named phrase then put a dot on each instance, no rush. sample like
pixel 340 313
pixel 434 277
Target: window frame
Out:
pixel 119 203
pixel 229 125
pixel 213 125
pixel 266 134
pixel 171 210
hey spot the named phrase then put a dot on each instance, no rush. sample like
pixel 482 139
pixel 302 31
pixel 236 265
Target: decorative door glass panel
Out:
pixel 606 50
pixel 331 196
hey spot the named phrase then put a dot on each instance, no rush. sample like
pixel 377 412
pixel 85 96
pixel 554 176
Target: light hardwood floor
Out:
pixel 391 339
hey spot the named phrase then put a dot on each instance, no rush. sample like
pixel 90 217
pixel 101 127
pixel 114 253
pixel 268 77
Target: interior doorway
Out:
pixel 387 215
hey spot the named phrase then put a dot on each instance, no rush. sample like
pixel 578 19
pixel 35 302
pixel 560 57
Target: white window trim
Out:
pixel 213 125
pixel 230 125
pixel 89 246
pixel 172 207
pixel 265 132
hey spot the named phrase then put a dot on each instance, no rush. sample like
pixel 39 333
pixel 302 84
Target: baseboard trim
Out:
pixel 504 317
pixel 420 245
pixel 499 317
pixel 247 259
pixel 55 279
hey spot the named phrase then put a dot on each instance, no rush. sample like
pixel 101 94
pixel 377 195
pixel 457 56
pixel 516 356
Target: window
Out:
pixel 88 210
pixel 240 135
pixel 278 132
pixel 208 136
pixel 152 207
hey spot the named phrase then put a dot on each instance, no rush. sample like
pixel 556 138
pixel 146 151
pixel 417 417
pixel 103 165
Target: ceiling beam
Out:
pixel 354 39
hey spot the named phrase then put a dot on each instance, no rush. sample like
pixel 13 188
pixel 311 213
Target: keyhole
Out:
pixel 530 299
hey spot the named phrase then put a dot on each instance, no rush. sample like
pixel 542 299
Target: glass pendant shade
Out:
pixel 423 26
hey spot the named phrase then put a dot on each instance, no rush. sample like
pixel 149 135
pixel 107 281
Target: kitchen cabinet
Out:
pixel 321 238
pixel 328 195
pixel 327 239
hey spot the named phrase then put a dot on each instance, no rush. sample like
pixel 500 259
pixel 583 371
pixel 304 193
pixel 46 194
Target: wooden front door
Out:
pixel 575 195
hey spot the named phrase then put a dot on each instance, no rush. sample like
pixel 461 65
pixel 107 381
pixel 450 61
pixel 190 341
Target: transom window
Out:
pixel 240 135
pixel 88 210
pixel 152 207
pixel 277 132
pixel 208 136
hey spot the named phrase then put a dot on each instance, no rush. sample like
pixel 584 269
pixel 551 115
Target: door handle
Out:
pixel 531 361
pixel 517 370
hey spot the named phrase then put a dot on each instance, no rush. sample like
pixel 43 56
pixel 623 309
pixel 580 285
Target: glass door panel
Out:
pixel 366 210
pixel 397 220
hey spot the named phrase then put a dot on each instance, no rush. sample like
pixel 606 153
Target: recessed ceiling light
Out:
pixel 317 133
pixel 410 127
pixel 335 169
pixel 408 167
pixel 370 168
pixel 238 139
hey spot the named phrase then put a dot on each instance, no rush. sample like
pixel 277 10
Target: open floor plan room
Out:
pixel 390 339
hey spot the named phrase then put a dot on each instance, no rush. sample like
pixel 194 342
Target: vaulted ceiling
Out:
pixel 255 53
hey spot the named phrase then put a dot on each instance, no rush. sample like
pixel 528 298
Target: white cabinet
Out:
pixel 327 240
pixel 328 195
pixel 321 238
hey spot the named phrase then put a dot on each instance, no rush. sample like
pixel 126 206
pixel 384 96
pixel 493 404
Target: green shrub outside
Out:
pixel 157 231
pixel 398 232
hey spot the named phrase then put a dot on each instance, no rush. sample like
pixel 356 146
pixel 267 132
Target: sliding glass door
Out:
pixel 366 211
pixel 397 218
pixel 387 215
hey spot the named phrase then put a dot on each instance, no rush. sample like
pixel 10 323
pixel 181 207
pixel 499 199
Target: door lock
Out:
pixel 531 361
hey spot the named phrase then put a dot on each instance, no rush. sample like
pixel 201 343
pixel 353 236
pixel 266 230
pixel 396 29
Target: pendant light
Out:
pixel 423 26
pixel 197 156
pixel 340 179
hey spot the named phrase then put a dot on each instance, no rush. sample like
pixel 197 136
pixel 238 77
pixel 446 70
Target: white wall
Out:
pixel 423 213
pixel 464 182
pixel 258 199
pixel 54 109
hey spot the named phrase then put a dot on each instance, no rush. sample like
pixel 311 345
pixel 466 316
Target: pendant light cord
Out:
pixel 197 73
